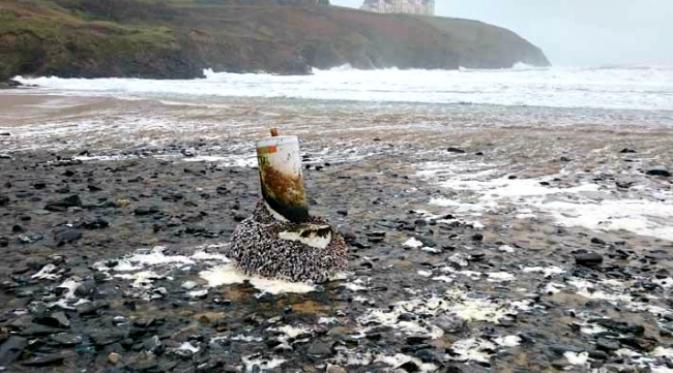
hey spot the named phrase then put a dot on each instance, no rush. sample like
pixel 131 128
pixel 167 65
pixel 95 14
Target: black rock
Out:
pixel 103 337
pixel 409 366
pixel 319 349
pixel 56 319
pixel 36 330
pixel 97 223
pixel 628 151
pixel 414 340
pixel 342 212
pixel 64 204
pixel 5 134
pixel 44 360
pixel 64 236
pixel 143 211
pixel 620 326
pixel 597 241
pixel 599 355
pixel 658 171
pixel 588 259
pixel 4 200
pixel 625 184
pixel 85 289
pixel 39 185
pixel 607 344
pixel 455 150
pixel 4 242
pixel 478 237
pixel 11 349
pixel 65 339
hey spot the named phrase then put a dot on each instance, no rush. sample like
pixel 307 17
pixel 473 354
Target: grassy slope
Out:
pixel 178 38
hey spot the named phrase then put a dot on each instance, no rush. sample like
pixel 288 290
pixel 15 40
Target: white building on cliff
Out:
pixel 425 7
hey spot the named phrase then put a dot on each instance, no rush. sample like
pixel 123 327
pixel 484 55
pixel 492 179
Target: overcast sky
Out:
pixel 577 32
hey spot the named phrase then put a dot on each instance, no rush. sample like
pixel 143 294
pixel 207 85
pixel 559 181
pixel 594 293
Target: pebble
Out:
pixel 144 211
pixel 455 150
pixel 319 349
pixel 114 358
pixel 335 369
pixel 4 200
pixel 64 236
pixel 588 259
pixel 659 171
pixel 97 223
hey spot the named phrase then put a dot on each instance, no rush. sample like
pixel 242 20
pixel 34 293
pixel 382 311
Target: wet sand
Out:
pixel 481 238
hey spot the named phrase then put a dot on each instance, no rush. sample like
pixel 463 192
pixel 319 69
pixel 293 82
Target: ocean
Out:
pixel 629 88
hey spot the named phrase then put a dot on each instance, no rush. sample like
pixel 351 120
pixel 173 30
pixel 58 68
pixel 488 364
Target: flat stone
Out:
pixel 620 326
pixel 319 349
pixel 64 204
pixel 65 236
pixel 44 360
pixel 588 259
pixel 335 369
pixel 66 339
pixel 607 344
pixel 56 319
pixel 97 223
pixel 455 150
pixel 11 349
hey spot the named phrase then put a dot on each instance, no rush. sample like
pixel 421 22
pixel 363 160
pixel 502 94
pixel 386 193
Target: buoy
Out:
pixel 280 239
pixel 281 177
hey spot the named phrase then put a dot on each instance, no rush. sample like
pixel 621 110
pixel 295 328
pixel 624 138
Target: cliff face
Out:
pixel 178 38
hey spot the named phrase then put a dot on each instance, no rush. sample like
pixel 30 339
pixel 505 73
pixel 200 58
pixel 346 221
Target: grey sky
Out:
pixel 578 32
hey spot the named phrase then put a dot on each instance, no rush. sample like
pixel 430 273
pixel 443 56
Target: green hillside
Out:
pixel 177 39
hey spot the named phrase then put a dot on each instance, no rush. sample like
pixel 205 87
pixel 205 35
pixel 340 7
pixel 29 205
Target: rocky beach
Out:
pixel 481 237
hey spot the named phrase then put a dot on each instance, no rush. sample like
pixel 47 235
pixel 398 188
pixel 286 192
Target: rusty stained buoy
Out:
pixel 281 177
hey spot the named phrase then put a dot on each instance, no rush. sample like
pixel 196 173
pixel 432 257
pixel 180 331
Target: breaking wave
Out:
pixel 617 87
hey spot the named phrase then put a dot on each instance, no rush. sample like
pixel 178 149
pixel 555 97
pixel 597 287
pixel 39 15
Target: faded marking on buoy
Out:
pixel 267 149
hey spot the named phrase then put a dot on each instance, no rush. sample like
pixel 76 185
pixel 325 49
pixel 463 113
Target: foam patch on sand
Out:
pixel 398 360
pixel 646 218
pixel 228 274
pixel 454 303
pixel 478 189
pixel 145 267
pixel 48 272
pixel 257 363
pixel 549 271
pixel 620 293
pixel 472 349
pixel 68 299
